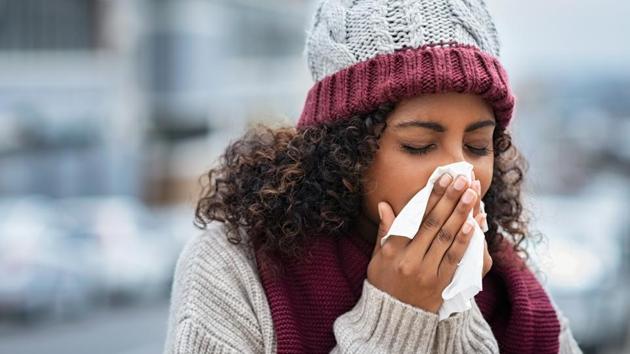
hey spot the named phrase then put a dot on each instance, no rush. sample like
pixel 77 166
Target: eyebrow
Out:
pixel 440 128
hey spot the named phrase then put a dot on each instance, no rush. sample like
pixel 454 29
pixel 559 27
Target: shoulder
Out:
pixel 217 293
pixel 210 257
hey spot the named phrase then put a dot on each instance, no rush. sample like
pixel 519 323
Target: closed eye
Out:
pixel 426 149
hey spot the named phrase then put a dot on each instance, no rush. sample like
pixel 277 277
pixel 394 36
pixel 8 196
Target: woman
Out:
pixel 291 259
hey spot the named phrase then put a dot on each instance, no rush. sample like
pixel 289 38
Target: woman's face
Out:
pixel 422 133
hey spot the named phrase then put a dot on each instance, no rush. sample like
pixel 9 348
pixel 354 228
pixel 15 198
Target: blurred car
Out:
pixel 178 221
pixel 584 261
pixel 132 248
pixel 42 271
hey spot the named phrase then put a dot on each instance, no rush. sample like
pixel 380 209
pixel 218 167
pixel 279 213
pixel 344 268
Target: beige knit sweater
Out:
pixel 218 305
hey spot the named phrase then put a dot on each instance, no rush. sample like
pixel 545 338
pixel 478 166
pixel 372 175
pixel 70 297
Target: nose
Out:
pixel 454 154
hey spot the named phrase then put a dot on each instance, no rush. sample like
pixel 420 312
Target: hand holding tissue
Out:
pixel 467 280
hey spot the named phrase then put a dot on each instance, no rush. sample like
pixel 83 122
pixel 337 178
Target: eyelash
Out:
pixel 427 149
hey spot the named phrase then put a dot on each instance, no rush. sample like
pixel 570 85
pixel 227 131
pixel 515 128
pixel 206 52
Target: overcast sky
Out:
pixel 571 37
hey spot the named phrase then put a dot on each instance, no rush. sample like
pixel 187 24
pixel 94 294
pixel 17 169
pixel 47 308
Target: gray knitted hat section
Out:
pixel 345 32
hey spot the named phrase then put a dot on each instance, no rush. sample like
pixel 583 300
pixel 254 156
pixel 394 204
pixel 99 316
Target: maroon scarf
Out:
pixel 307 297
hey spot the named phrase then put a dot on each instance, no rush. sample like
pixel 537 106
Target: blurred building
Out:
pixel 120 100
pixel 572 129
pixel 125 97
pixel 72 109
pixel 214 67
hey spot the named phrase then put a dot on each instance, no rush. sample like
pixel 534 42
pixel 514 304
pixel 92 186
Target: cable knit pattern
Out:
pixel 218 305
pixel 345 32
pixel 363 53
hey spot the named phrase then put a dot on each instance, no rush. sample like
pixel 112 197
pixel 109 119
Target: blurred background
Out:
pixel 110 111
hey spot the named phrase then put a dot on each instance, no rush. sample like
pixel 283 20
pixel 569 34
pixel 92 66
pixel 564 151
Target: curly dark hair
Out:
pixel 283 185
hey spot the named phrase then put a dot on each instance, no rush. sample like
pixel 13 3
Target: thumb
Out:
pixel 386 218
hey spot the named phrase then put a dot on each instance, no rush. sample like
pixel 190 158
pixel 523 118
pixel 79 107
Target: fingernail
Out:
pixel 445 180
pixel 380 214
pixel 468 196
pixel 460 183
pixel 467 227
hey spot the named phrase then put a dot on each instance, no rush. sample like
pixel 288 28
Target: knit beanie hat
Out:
pixel 363 53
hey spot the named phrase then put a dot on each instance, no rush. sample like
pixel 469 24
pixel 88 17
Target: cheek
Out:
pixel 394 178
pixel 483 172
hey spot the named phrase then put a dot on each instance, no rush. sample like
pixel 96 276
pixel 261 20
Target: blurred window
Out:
pixel 48 24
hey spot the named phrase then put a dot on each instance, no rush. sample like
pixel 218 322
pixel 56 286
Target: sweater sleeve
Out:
pixel 380 323
pixel 215 306
pixel 219 306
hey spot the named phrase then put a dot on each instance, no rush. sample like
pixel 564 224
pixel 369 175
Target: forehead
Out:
pixel 445 108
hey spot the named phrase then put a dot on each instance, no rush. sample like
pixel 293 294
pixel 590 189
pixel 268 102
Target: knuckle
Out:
pixel 405 268
pixel 445 235
pixel 451 257
pixel 462 238
pixel 431 222
pixel 388 250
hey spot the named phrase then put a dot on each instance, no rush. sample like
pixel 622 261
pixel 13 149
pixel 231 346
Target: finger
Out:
pixel 445 237
pixel 479 219
pixel 387 216
pixel 487 259
pixel 439 188
pixel 432 222
pixel 477 187
pixel 454 254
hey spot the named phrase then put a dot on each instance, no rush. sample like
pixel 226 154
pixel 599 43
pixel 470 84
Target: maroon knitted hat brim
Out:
pixel 405 73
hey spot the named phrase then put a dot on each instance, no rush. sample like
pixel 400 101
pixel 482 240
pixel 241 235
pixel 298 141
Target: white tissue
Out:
pixel 466 281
